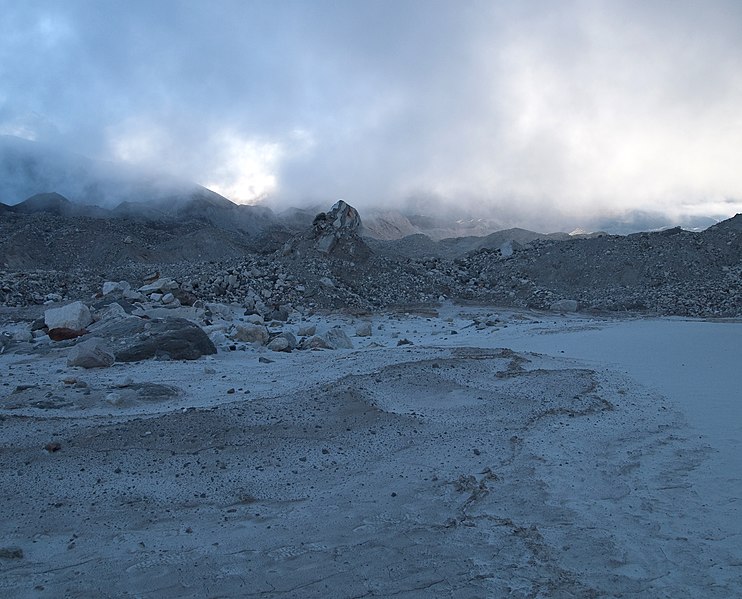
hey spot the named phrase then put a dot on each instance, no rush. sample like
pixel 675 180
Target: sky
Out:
pixel 534 110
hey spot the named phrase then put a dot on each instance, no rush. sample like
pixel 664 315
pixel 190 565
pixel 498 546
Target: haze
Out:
pixel 540 112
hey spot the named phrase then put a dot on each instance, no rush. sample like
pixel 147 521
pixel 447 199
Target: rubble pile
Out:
pixel 668 272
pixel 329 266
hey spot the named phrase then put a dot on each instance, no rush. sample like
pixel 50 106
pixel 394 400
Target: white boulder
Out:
pixel 74 316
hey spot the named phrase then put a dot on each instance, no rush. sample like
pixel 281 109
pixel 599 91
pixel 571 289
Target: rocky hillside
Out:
pixel 46 257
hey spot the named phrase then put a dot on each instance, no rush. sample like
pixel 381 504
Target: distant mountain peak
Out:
pixel 51 202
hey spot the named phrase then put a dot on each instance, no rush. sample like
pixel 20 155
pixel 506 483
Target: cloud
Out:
pixel 537 110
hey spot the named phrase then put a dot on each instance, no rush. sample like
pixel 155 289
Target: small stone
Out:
pixel 307 330
pixel 263 360
pixel 279 344
pixel 159 285
pixel 52 447
pixel 337 339
pixel 281 314
pixel 565 305
pixel 364 330
pixel 251 333
pixel 315 342
pixel 11 553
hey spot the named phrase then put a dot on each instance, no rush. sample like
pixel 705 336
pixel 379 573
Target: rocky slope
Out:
pixel 45 256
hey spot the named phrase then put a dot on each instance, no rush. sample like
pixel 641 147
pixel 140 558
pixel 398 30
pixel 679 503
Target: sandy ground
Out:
pixel 533 456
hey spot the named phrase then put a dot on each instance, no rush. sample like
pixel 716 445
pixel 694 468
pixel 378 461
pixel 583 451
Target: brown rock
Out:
pixel 62 334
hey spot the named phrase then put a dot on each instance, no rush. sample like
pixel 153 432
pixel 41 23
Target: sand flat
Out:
pixel 536 457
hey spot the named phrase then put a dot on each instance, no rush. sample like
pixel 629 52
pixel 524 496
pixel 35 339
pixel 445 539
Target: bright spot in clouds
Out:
pixel 247 172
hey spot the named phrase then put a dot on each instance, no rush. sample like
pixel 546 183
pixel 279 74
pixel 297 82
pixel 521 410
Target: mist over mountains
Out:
pixel 101 189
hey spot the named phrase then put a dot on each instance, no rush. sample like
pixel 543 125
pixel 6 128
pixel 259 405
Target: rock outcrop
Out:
pixel 335 233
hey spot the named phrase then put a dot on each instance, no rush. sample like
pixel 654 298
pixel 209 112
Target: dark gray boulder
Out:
pixel 134 339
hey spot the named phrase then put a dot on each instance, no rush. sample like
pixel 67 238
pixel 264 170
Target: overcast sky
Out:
pixel 546 108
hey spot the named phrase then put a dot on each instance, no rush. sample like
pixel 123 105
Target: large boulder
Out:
pixel 134 339
pixel 342 222
pixel 75 316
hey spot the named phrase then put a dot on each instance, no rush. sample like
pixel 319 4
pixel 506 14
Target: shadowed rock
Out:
pixel 135 339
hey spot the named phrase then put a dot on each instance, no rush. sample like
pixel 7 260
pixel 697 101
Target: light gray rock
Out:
pixel 75 316
pixel 307 330
pixel 91 353
pixel 327 282
pixel 109 287
pixel 565 305
pixel 337 339
pixel 218 338
pixel 133 295
pixel 112 311
pixel 506 249
pixel 289 336
pixel 162 285
pixel 251 333
pixel 115 287
pixel 279 344
pixel 363 329
pixel 315 342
